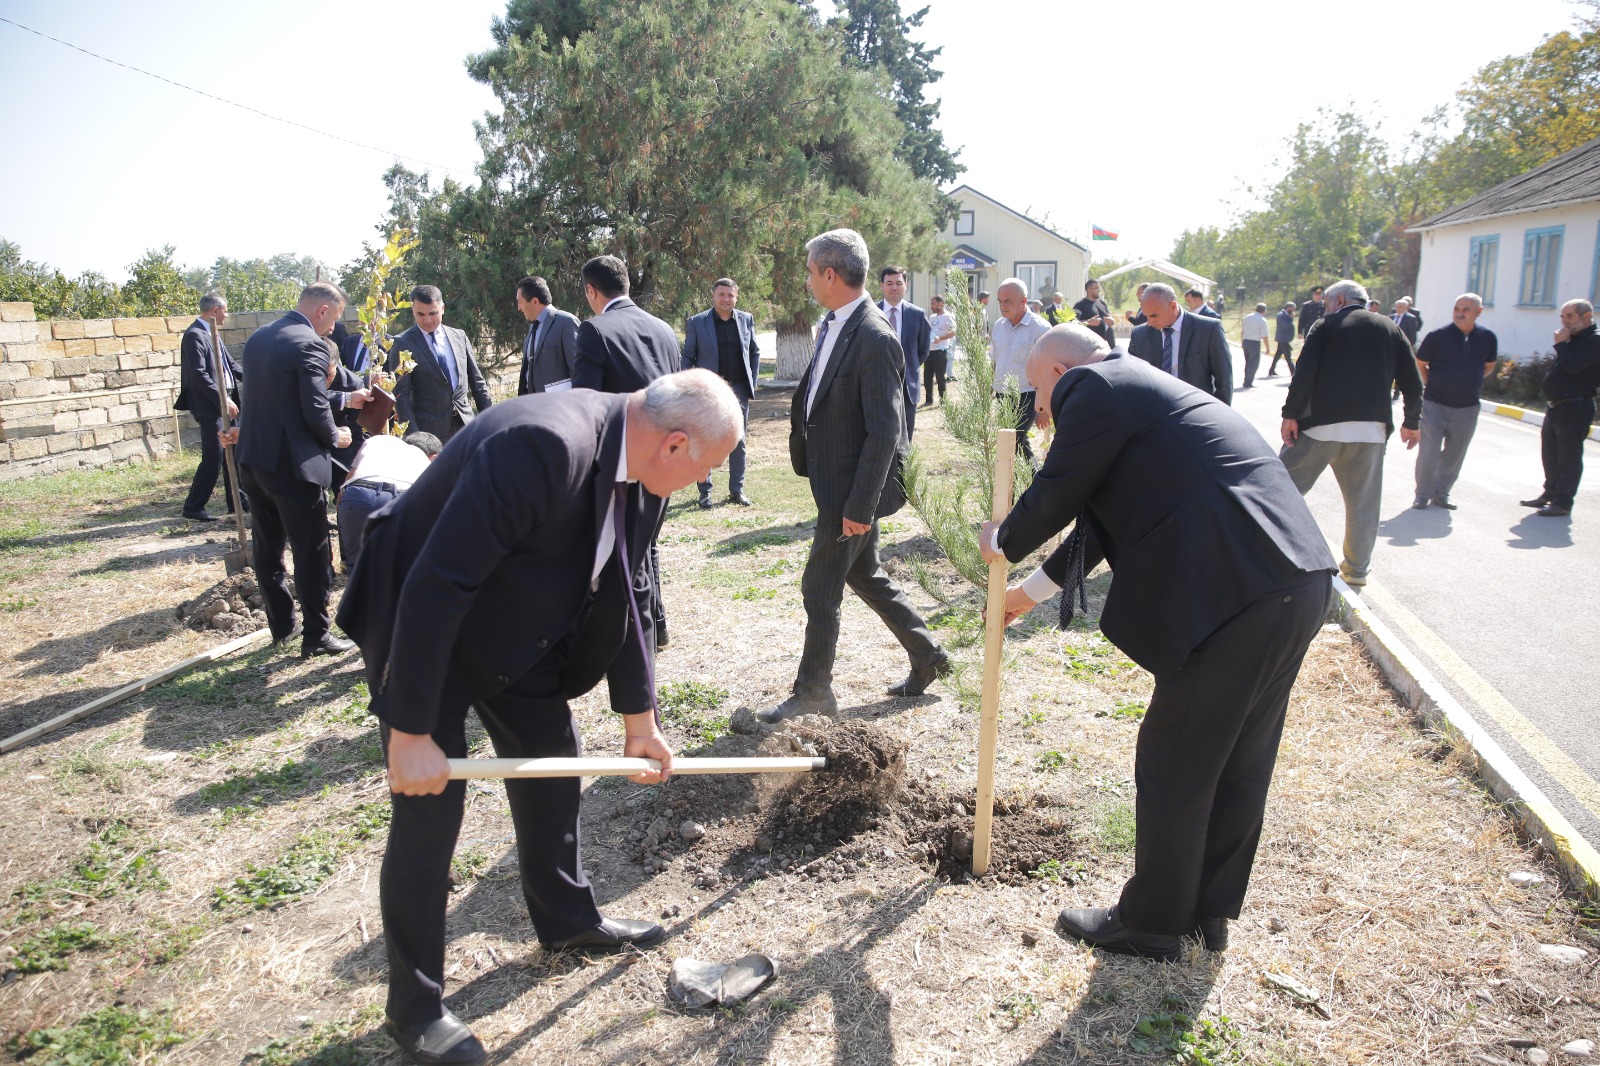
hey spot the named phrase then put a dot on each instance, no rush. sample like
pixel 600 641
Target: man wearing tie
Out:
pixel 1408 321
pixel 509 579
pixel 439 394
pixel 910 323
pixel 723 341
pixel 1188 346
pixel 551 347
pixel 198 396
pixel 846 437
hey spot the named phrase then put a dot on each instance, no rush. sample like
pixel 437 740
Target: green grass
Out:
pixel 14 604
pixel 291 777
pixel 109 1036
pixel 1180 1040
pixel 695 708
pixel 467 864
pixel 1125 712
pixel 304 864
pixel 92 764
pixel 751 592
pixel 49 950
pixel 1049 762
pixel 1057 872
pixel 1018 1007
pixel 353 711
pixel 117 862
pixel 327 1044
pixel 1114 826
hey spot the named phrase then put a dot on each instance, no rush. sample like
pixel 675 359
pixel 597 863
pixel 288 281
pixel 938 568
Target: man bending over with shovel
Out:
pixel 1220 578
pixel 509 578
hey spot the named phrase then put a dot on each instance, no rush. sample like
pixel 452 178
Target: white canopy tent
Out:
pixel 1172 270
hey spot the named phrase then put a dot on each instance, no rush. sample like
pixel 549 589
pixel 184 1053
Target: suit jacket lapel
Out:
pixel 608 451
pixel 841 351
pixel 1186 338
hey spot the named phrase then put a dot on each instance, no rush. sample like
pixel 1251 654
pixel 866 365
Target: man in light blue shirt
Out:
pixel 1011 338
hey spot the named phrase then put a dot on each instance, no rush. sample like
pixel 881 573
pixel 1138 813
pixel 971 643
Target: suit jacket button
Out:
pixel 541 643
pixel 503 679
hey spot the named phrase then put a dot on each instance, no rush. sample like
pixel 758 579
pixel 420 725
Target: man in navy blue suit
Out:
pixel 198 396
pixel 1188 346
pixel 723 340
pixel 910 324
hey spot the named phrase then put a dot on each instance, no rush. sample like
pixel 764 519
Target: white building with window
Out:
pixel 992 242
pixel 1526 246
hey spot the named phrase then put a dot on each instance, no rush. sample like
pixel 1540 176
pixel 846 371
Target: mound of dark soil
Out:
pixel 231 608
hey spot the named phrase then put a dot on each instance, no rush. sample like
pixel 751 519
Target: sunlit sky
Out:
pixel 1147 119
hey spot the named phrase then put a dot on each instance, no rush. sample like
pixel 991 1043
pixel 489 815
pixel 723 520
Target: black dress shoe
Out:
pixel 443 1040
pixel 1420 503
pixel 295 632
pixel 1553 510
pixel 610 935
pixel 796 705
pixel 1443 501
pixel 917 682
pixel 741 499
pixel 1537 502
pixel 1102 928
pixel 705 501
pixel 1213 933
pixel 328 645
pixel 200 516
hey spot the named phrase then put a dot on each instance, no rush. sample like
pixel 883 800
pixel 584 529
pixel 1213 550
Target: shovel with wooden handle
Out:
pixel 479 769
pixel 235 559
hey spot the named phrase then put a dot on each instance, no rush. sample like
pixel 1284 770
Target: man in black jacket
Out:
pixel 1569 390
pixel 1093 313
pixel 1219 581
pixel 1339 414
pixel 445 383
pixel 509 579
pixel 198 395
pixel 1311 311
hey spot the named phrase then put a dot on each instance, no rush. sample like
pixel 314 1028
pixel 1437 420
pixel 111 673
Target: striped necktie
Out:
pixel 1166 351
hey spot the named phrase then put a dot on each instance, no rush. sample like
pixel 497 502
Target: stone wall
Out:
pixel 89 392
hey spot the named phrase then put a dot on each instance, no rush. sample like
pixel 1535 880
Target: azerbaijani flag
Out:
pixel 1102 234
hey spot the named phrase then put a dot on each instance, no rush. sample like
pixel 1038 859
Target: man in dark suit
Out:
pixel 846 436
pixel 197 394
pixel 1409 321
pixel 1187 346
pixel 545 511
pixel 285 434
pixel 1197 304
pixel 1339 413
pixel 722 339
pixel 1283 336
pixel 1220 579
pixel 622 349
pixel 909 323
pixel 551 347
pixel 445 383
pixel 1311 311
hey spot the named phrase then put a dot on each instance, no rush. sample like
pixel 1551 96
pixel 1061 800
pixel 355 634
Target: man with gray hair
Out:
pixel 1338 413
pixel 509 579
pixel 1188 346
pixel 1569 391
pixel 445 384
pixel 1219 582
pixel 1453 360
pixel 197 394
pixel 1011 338
pixel 847 436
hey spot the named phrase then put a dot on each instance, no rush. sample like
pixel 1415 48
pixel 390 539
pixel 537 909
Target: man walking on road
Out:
pixel 1453 360
pixel 1284 336
pixel 1338 413
pixel 1311 311
pixel 1569 389
pixel 1252 337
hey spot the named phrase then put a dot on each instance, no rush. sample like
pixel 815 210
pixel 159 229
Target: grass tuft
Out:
pixel 50 949
pixel 305 864
pixel 694 707
pixel 108 1037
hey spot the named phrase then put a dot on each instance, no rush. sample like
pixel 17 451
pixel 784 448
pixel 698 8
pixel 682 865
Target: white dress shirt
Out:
pixel 386 458
pixel 607 543
pixel 820 363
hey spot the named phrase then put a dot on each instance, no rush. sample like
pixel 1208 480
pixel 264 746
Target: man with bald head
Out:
pixel 1189 346
pixel 1220 579
pixel 1010 339
pixel 1453 360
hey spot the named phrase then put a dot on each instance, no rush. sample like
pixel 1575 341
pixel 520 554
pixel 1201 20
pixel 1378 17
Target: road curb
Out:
pixel 1438 710
pixel 1522 414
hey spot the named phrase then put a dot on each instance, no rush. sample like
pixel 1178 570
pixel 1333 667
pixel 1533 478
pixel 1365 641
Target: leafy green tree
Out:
pixel 52 293
pixel 264 284
pixel 157 286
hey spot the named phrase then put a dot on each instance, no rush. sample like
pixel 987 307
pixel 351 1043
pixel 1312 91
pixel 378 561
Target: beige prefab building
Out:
pixel 990 242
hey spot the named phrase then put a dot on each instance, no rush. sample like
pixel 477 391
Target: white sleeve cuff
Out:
pixel 1038 586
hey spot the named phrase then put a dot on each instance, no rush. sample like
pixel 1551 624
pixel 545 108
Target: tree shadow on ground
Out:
pixel 85 536
pixel 64 655
pixel 330 760
pixel 181 553
pixel 244 698
pixel 752 541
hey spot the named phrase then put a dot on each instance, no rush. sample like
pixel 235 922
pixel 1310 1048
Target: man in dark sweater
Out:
pixel 1091 312
pixel 1569 389
pixel 1338 413
pixel 1454 360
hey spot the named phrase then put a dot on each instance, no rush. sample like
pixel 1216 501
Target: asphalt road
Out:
pixel 1502 606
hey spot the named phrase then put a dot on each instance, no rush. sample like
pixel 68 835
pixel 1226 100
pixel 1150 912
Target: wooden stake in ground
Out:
pixel 236 559
pixel 994 635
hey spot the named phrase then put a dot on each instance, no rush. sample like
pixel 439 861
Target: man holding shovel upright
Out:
pixel 510 578
pixel 1220 580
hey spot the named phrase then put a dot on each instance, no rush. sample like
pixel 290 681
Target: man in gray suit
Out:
pixel 551 347
pixel 1186 345
pixel 847 436
pixel 439 394
pixel 723 340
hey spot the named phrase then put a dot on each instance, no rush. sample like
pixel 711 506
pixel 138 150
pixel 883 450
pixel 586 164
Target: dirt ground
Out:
pixel 190 876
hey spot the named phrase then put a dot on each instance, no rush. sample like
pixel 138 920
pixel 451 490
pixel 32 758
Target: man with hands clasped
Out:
pixel 509 579
pixel 1220 579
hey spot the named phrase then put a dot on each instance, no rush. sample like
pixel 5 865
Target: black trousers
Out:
pixel 286 510
pixel 1206 751
pixel 1283 352
pixel 205 475
pixel 528 720
pixel 1566 427
pixel 829 568
pixel 933 372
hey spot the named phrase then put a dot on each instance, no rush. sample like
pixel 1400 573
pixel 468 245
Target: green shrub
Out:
pixel 1518 382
